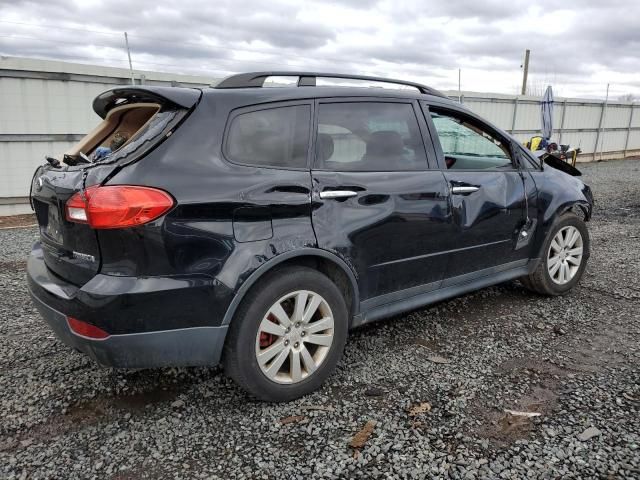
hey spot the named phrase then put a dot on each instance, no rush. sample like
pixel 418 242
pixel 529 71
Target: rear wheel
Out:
pixel 565 255
pixel 287 336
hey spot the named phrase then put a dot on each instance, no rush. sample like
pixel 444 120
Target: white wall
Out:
pixel 45 107
pixel 580 127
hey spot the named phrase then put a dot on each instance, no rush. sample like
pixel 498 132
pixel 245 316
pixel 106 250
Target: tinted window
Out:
pixel 368 136
pixel 467 146
pixel 275 137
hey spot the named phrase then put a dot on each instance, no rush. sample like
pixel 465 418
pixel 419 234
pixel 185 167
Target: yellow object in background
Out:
pixel 534 143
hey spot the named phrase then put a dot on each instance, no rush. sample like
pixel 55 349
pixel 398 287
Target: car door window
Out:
pixel 467 146
pixel 272 137
pixel 369 136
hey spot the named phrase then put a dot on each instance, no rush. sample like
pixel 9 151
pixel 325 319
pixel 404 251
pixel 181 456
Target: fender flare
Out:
pixel 275 261
pixel 551 221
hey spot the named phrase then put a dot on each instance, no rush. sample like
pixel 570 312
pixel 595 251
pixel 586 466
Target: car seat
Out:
pixel 384 148
pixel 324 148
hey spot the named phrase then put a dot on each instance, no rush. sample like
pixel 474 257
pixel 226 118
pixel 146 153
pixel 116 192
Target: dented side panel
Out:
pixel 394 232
pixel 488 221
pixel 558 192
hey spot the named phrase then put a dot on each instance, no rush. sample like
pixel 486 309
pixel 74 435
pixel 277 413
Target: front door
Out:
pixel 375 201
pixel 487 195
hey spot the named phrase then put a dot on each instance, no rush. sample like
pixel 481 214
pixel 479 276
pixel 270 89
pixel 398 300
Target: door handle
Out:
pixel 464 189
pixel 338 194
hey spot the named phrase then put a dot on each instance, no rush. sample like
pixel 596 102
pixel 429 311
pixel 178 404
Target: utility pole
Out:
pixel 525 73
pixel 459 89
pixel 604 117
pixel 126 41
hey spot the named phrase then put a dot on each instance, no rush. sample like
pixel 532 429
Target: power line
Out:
pixel 219 60
pixel 370 67
pixel 120 60
pixel 115 47
pixel 39 25
pixel 199 45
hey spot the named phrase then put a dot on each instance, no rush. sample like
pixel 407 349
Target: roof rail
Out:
pixel 308 79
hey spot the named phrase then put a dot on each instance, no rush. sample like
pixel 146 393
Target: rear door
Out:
pixel 487 194
pixel 375 201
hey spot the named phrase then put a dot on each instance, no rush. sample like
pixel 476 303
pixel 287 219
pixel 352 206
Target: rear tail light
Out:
pixel 118 206
pixel 86 329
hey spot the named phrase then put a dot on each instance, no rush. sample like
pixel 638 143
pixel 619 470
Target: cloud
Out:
pixel 577 45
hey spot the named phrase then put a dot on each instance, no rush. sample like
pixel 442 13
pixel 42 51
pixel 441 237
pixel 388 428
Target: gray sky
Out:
pixel 578 46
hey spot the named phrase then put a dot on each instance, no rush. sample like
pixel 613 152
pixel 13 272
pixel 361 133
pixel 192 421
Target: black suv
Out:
pixel 254 226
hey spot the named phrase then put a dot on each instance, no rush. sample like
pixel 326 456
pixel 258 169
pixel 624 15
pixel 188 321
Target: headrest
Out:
pixel 266 144
pixel 384 143
pixel 324 147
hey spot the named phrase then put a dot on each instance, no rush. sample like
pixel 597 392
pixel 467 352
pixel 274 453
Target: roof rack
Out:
pixel 308 79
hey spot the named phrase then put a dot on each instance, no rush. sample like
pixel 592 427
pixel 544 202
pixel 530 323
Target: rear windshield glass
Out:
pixel 274 137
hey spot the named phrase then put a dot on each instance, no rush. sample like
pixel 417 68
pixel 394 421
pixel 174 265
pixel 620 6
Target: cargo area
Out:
pixel 126 120
pixel 142 117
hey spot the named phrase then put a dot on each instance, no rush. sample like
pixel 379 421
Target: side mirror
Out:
pixel 558 164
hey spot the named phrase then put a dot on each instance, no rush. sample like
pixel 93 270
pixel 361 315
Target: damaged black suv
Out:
pixel 255 226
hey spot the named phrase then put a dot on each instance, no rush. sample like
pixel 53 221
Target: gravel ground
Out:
pixel 436 383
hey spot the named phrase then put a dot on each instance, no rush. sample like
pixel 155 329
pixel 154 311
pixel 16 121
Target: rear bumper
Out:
pixel 55 299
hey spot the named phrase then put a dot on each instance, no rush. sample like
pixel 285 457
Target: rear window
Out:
pixel 273 137
pixel 127 133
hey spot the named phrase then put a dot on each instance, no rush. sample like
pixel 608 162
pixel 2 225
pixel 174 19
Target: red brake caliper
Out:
pixel 266 339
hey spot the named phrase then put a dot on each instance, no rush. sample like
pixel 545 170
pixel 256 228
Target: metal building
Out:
pixel 45 107
pixel 603 130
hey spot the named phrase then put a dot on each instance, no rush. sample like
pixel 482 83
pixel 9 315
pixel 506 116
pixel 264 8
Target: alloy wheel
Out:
pixel 294 337
pixel 565 255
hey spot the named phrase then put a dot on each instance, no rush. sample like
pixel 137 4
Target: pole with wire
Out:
pixel 525 72
pixel 604 119
pixel 126 41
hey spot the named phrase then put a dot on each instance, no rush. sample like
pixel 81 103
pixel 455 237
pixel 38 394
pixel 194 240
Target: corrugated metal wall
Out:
pixel 588 124
pixel 45 107
pixel 39 117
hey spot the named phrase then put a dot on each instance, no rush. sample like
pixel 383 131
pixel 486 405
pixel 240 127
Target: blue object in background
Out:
pixel 101 152
pixel 547 114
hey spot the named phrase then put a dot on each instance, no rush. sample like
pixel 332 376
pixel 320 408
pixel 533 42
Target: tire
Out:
pixel 257 331
pixel 541 279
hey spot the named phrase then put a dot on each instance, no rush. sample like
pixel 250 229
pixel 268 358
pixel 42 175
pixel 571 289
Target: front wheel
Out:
pixel 565 255
pixel 288 335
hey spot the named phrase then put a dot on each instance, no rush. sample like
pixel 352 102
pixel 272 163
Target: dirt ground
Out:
pixel 17 221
